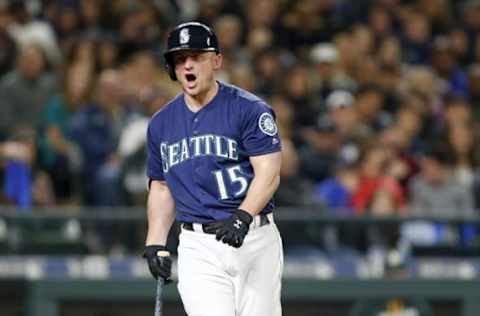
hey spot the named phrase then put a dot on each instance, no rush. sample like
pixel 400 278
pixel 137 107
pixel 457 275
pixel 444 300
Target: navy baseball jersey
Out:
pixel 204 156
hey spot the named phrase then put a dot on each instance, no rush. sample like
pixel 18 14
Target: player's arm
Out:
pixel 160 212
pixel 264 183
pixel 259 138
pixel 161 215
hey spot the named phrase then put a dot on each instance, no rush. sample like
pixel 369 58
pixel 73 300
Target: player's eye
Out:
pixel 179 59
pixel 195 56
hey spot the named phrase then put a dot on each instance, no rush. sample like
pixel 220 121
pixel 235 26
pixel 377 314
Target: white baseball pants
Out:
pixel 215 279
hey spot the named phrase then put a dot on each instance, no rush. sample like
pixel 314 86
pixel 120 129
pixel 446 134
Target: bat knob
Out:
pixel 163 253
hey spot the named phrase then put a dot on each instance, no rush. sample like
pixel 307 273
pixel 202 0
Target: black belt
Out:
pixel 211 228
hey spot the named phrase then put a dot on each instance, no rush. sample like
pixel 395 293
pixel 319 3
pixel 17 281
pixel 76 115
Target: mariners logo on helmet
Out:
pixel 184 36
pixel 267 124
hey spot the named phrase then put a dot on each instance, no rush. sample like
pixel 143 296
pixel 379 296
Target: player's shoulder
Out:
pixel 168 109
pixel 244 98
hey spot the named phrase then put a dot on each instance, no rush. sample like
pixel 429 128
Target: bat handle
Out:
pixel 158 298
pixel 160 284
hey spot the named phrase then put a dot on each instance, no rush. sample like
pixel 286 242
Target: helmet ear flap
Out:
pixel 171 71
pixel 170 67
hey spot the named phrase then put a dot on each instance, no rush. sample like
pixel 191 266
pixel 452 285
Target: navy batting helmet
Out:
pixel 189 36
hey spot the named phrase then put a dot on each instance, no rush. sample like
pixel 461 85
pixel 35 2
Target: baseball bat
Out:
pixel 158 298
pixel 160 284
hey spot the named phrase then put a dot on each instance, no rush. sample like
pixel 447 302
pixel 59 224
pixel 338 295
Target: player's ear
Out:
pixel 217 61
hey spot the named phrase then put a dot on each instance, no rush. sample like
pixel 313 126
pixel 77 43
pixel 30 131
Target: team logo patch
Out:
pixel 267 124
pixel 184 36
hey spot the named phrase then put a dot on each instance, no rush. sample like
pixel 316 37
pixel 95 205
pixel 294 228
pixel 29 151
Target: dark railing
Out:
pixel 134 214
pixel 17 226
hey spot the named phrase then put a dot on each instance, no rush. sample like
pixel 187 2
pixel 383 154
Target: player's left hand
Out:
pixel 234 229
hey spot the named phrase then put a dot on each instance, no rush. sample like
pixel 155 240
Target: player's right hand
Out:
pixel 159 262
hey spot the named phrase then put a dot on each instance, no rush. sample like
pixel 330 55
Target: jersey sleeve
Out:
pixel 259 130
pixel 154 157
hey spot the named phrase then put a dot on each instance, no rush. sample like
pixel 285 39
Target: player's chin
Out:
pixel 192 87
pixel 193 92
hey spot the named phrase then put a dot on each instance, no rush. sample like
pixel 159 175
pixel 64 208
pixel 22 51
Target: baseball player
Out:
pixel 214 158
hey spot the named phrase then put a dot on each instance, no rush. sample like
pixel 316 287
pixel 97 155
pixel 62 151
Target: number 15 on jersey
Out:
pixel 233 175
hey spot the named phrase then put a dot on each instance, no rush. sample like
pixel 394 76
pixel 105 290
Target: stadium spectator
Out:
pixel 435 191
pixel 370 108
pixel 318 151
pixel 410 126
pixel 93 17
pixel 137 73
pixel 57 155
pixel 380 21
pixel 132 144
pixel 294 189
pixel 343 114
pixel 25 90
pixel 267 67
pixel 390 72
pixel 7 43
pixel 242 75
pixel 336 193
pixel 457 112
pixel 337 137
pixel 402 165
pixel 460 49
pixel 297 89
pixel 446 67
pixel 96 129
pixel 374 177
pixel 26 30
pixel 462 141
pixel 262 13
pixel 474 89
pixel 328 76
pixel 306 23
pixel 416 34
pixel 107 52
pixel 23 183
pixel 229 30
pixel 138 30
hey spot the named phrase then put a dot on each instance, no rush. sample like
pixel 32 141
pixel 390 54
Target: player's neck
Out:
pixel 197 102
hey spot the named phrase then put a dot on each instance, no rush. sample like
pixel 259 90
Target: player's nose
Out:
pixel 188 63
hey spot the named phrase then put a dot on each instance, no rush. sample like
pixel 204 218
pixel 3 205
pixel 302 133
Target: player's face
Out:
pixel 195 70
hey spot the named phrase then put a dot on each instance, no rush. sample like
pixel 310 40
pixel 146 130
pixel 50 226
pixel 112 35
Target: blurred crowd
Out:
pixel 377 102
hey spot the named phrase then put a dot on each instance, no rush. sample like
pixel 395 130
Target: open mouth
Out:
pixel 190 77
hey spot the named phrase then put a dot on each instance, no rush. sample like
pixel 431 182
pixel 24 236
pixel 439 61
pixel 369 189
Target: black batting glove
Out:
pixel 159 266
pixel 234 229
